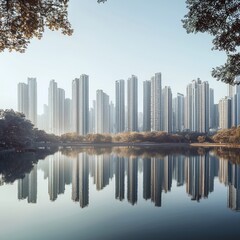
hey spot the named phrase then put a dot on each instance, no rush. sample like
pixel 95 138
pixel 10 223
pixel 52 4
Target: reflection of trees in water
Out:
pixel 15 165
pixel 230 154
pixel 132 151
pixel 73 152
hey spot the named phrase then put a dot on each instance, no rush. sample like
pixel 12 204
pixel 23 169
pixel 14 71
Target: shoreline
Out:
pixel 143 144
pixel 40 146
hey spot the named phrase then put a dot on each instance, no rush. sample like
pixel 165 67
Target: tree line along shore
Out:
pixel 16 132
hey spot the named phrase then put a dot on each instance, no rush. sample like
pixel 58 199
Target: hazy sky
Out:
pixel 112 41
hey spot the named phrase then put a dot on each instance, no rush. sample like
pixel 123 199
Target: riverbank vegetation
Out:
pixel 19 133
pixel 137 137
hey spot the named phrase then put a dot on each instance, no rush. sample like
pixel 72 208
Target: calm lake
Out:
pixel 120 193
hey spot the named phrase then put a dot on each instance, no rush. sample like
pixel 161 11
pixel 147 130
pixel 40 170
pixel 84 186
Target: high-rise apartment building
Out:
pixel 146 106
pixel 120 105
pixel 237 106
pixel 156 105
pixel 32 100
pixel 132 107
pixel 102 112
pixel 167 109
pixel 56 104
pixel 112 115
pixel 80 104
pixel 27 99
pixel 23 98
pixel 67 115
pixel 179 112
pixel 197 106
pixel 52 107
pixel 60 109
pixel 92 120
pixel 211 108
pixel 225 113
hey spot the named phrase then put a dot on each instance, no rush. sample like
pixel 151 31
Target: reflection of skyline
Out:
pixel 27 187
pixel 132 180
pixel 197 173
pixel 120 178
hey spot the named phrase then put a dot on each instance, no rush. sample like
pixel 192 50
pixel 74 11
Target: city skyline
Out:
pixel 113 41
pixel 195 111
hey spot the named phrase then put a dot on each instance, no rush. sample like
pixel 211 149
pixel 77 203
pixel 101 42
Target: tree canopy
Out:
pixel 18 132
pixel 221 19
pixel 21 20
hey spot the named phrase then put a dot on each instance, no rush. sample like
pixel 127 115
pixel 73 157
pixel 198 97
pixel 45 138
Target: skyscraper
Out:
pixel 120 105
pixel 156 97
pixel 60 110
pixel 102 112
pixel 56 98
pixel 80 104
pixel 167 109
pixel 237 106
pixel 146 106
pixel 67 115
pixel 179 113
pixel 197 106
pixel 211 108
pixel 27 99
pixel 225 113
pixel 92 121
pixel 23 98
pixel 112 115
pixel 52 107
pixel 132 104
pixel 32 100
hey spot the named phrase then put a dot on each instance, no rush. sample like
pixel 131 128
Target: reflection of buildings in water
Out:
pixel 1 180
pixel 157 178
pixel 80 179
pixel 132 177
pixel 120 178
pixel 44 166
pixel 53 178
pixel 61 187
pixel 198 172
pixel 234 187
pixel 223 171
pixel 23 187
pixel 167 173
pixel 67 169
pixel 83 180
pixel 32 197
pixel 199 176
pixel 27 187
pixel 91 159
pixel 179 169
pixel 59 174
pixel 146 178
pixel 102 171
pixel 75 179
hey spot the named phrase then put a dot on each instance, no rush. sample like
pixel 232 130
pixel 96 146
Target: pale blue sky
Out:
pixel 112 41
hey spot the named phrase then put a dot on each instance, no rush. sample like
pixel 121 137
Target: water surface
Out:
pixel 120 193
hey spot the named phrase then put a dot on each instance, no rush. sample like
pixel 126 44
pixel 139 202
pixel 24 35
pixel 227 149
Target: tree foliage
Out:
pixel 21 20
pixel 221 19
pixel 231 136
pixel 18 132
pixel 15 130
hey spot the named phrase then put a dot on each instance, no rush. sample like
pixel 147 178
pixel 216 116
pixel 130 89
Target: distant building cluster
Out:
pixel 195 111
